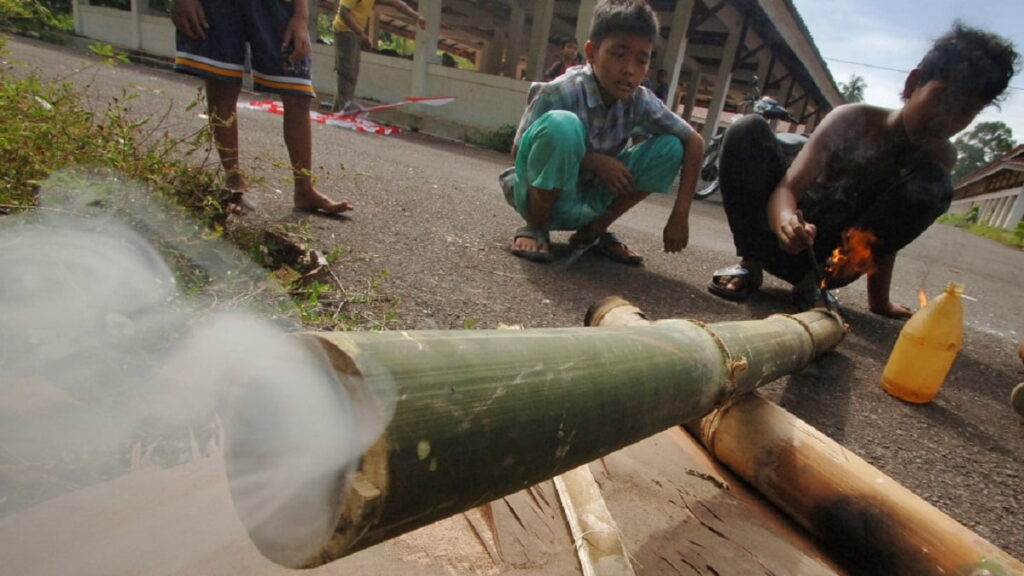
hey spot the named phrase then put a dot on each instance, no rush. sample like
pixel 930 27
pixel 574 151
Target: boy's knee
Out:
pixel 670 148
pixel 560 124
pixel 557 132
pixel 909 207
pixel 749 126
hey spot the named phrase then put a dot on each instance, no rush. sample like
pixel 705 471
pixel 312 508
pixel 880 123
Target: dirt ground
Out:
pixel 429 214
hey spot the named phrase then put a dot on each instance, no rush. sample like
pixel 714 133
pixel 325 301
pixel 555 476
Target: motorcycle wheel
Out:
pixel 707 182
pixel 705 189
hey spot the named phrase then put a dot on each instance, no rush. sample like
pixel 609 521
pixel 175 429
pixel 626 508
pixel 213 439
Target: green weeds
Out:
pixel 969 221
pixel 49 127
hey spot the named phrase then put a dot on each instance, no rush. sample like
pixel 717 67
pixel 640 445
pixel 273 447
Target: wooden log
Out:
pixel 479 414
pixel 864 518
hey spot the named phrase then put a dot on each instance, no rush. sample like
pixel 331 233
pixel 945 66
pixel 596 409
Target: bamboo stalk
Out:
pixel 862 516
pixel 599 545
pixel 481 414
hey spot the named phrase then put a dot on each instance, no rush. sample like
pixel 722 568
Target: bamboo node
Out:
pixel 737 365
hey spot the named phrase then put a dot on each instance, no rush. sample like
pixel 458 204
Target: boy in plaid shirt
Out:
pixel 575 168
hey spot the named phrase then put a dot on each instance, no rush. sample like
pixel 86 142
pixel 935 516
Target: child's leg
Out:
pixel 219 57
pixel 654 164
pixel 347 56
pixel 547 170
pixel 273 71
pixel 222 101
pixel 751 164
pixel 905 209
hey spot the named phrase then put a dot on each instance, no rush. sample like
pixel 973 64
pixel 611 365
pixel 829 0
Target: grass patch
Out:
pixel 43 20
pixel 500 140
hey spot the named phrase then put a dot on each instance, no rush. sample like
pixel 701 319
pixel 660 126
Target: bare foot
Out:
pixel 314 201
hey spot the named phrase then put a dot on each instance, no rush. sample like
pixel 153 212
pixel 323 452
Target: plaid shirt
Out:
pixel 608 129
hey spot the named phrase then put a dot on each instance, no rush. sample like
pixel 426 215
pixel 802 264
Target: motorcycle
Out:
pixel 770 109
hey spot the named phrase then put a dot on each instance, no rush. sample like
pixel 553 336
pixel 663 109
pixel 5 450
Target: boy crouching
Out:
pixel 574 167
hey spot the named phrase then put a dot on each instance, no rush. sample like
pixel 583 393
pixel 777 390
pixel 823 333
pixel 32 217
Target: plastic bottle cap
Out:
pixel 955 288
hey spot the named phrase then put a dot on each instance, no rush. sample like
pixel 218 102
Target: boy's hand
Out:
pixel 365 42
pixel 677 232
pixel 794 234
pixel 613 173
pixel 297 35
pixel 188 17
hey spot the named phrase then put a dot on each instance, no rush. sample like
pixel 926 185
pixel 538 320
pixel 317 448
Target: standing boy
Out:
pixel 350 38
pixel 574 166
pixel 211 39
pixel 881 171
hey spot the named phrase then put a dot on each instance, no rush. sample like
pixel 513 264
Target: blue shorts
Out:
pixel 233 24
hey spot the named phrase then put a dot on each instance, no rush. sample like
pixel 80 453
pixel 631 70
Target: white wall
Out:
pixel 483 102
pixel 1001 209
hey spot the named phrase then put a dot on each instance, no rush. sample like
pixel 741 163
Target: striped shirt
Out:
pixel 608 128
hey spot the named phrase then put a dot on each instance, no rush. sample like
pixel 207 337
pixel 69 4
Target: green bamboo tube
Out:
pixel 860 515
pixel 481 414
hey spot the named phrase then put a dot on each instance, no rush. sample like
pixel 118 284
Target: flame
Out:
pixel 854 257
pixel 922 297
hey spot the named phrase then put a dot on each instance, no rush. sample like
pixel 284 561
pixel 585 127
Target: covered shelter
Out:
pixel 711 49
pixel 996 189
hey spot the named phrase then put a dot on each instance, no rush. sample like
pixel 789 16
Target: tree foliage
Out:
pixel 853 91
pixel 981 145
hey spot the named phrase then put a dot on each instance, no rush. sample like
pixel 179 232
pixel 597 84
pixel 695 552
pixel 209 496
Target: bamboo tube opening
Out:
pixel 302 479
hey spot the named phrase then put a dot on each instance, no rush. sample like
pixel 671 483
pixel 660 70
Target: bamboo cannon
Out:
pixel 480 414
pixel 862 517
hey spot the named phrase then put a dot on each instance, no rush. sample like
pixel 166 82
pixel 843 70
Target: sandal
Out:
pixel 538 235
pixel 609 246
pixel 237 202
pixel 721 278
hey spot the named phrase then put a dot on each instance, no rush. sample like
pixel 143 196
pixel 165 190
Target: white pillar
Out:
pixel 692 89
pixel 76 15
pixel 426 45
pixel 543 12
pixel 1004 213
pixel 311 25
pixel 675 46
pixel 1017 212
pixel 492 63
pixel 722 81
pixel 584 16
pixel 516 23
pixel 136 12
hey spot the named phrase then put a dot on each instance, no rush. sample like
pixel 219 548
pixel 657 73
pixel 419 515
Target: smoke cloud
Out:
pixel 117 389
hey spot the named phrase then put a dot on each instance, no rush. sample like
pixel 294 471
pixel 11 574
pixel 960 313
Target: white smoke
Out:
pixel 114 385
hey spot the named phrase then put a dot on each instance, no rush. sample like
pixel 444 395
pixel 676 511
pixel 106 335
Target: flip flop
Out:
pixel 734 271
pixel 609 246
pixel 541 237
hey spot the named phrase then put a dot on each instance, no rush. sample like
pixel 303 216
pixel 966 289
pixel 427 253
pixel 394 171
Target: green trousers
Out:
pixel 549 157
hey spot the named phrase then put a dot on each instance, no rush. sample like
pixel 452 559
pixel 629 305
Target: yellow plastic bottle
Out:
pixel 926 348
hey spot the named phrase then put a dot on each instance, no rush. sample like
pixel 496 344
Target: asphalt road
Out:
pixel 429 213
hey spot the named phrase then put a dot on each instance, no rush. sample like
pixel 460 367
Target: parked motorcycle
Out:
pixel 791 144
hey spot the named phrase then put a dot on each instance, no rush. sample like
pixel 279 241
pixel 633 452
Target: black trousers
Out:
pixel 896 210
